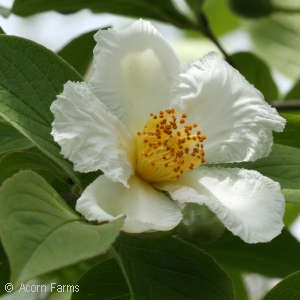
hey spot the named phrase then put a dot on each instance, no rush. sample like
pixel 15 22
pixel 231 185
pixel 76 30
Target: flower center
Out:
pixel 167 147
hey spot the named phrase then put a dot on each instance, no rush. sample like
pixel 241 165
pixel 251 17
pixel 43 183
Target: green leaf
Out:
pixel 11 139
pixel 294 93
pixel 251 8
pixel 282 31
pixel 195 5
pixel 291 213
pixel 287 289
pixel 220 18
pixel 104 281
pixel 170 269
pixel 1 31
pixel 291 134
pixel 4 11
pixel 238 282
pixel 155 9
pixel 88 178
pixel 79 52
pixel 71 274
pixel 282 165
pixel 35 224
pixel 14 161
pixel 278 258
pixel 30 78
pixel 291 196
pixel 4 270
pixel 257 73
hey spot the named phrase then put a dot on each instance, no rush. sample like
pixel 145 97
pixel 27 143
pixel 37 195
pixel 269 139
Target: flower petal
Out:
pixel 133 72
pixel 249 204
pixel 90 136
pixel 233 115
pixel 145 208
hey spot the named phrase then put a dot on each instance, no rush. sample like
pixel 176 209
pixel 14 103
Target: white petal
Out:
pixel 90 136
pixel 134 70
pixel 233 115
pixel 249 204
pixel 145 208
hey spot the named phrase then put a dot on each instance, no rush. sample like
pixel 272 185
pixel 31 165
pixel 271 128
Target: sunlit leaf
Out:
pixel 11 139
pixel 35 223
pixel 30 78
pixel 220 18
pixel 4 11
pixel 291 196
pixel 277 41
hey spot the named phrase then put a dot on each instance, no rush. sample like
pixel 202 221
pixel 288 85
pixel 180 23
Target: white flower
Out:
pixel 143 119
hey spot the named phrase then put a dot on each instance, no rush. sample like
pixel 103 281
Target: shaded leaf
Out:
pixel 291 213
pixel 88 178
pixel 282 165
pixel 79 52
pixel 14 161
pixel 171 269
pixel 104 281
pixel 291 134
pixel 238 282
pixel 195 5
pixel 71 274
pixel 155 9
pixel 287 289
pixel 257 73
pixel 278 258
pixel 4 270
pixel 294 93
pixel 35 223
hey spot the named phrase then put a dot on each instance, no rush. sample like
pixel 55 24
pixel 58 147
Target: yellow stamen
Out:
pixel 170 149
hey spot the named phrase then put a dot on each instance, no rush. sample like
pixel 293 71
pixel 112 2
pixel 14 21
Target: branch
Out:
pixel 205 29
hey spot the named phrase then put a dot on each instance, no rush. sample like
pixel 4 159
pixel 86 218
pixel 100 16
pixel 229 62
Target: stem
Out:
pixel 205 29
pixel 286 105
